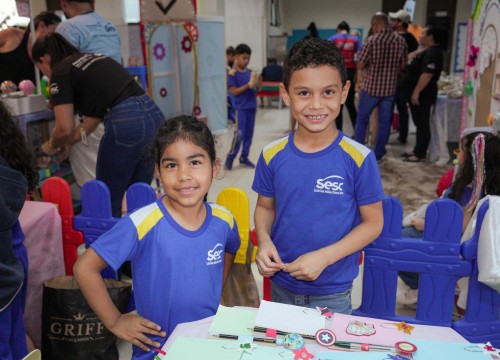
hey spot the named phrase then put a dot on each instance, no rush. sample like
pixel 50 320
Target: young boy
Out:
pixel 241 83
pixel 319 191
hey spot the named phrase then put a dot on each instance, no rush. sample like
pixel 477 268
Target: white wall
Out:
pixel 246 22
pixel 328 14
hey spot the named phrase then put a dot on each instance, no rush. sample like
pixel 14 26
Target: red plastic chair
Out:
pixel 56 190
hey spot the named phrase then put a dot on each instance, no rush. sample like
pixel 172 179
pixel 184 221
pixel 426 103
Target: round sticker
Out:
pixel 405 347
pixel 325 337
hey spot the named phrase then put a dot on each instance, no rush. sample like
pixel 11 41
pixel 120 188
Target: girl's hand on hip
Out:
pixel 132 327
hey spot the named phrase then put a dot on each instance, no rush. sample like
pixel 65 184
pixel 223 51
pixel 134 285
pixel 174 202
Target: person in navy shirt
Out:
pixel 241 83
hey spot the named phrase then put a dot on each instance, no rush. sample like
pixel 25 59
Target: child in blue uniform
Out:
pixel 17 176
pixel 319 191
pixel 181 248
pixel 241 83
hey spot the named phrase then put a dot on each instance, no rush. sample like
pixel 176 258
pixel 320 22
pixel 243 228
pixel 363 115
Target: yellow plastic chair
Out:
pixel 34 355
pixel 236 201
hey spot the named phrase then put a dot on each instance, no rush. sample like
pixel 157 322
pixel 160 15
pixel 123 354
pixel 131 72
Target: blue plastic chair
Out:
pixel 96 217
pixel 436 258
pixel 481 321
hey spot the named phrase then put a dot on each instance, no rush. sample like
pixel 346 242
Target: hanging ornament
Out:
pixel 186 44
pixel 159 51
pixel 197 111
pixel 469 88
pixel 192 30
pixel 163 92
pixel 474 50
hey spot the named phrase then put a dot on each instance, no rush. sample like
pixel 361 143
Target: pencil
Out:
pixel 235 337
pixel 361 346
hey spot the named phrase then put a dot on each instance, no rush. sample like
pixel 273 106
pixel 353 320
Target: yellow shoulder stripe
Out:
pixel 146 218
pixel 273 148
pixel 357 151
pixel 222 213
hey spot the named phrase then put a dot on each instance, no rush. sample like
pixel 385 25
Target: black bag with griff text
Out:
pixel 70 329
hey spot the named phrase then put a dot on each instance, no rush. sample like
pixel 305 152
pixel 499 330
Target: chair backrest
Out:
pixel 481 322
pixel 57 191
pixel 436 258
pixel 236 201
pixel 34 355
pixel 96 218
pixel 139 195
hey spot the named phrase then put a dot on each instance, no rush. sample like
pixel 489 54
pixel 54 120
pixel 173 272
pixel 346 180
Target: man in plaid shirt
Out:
pixel 381 58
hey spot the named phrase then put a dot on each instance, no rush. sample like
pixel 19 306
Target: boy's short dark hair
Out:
pixel 313 52
pixel 343 26
pixel 230 50
pixel 243 49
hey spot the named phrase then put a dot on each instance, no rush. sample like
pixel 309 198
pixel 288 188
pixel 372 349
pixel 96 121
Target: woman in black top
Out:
pixel 99 89
pixel 420 83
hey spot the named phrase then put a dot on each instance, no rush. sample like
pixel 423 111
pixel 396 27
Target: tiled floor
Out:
pixel 271 123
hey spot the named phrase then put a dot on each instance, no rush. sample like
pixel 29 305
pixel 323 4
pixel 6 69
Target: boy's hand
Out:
pixel 307 267
pixel 132 327
pixel 267 259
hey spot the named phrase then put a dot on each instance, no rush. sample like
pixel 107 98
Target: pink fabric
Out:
pixel 41 225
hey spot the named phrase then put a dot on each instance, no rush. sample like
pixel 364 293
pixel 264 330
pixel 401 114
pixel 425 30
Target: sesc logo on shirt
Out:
pixel 332 184
pixel 54 89
pixel 214 256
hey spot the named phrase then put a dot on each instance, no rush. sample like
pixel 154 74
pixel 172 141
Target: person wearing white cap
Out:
pixel 399 22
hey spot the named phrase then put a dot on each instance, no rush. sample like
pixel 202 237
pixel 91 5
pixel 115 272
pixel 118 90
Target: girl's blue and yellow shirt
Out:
pixel 177 274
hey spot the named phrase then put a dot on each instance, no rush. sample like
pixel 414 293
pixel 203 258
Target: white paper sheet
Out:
pixel 289 318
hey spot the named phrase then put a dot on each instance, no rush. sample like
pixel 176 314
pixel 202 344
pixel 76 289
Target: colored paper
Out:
pixel 207 349
pixel 268 353
pixel 289 318
pixel 385 331
pixel 448 350
pixel 339 355
pixel 233 321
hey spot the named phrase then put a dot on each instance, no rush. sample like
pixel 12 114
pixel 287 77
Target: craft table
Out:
pixel 199 329
pixel 445 128
pixel 41 225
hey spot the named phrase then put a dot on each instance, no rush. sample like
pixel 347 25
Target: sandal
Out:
pixel 413 159
pixel 407 155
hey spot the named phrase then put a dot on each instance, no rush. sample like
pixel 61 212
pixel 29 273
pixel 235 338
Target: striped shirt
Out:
pixel 383 55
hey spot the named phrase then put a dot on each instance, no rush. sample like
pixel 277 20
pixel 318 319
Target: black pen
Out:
pixel 235 337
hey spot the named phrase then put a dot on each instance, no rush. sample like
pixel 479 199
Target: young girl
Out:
pixel 17 176
pixel 180 247
pixel 462 192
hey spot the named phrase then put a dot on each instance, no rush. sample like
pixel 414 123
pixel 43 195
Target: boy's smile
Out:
pixel 315 96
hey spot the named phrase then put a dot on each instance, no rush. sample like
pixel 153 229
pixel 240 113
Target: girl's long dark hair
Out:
pixel 14 150
pixel 466 172
pixel 54 45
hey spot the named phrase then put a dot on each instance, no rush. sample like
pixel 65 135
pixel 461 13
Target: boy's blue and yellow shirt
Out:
pixel 317 198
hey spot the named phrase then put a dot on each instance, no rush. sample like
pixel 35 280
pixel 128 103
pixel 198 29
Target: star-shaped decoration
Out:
pixel 403 326
pixel 488 349
pixel 302 354
pixel 324 311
